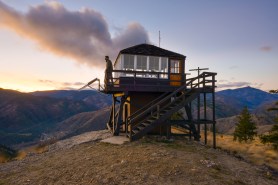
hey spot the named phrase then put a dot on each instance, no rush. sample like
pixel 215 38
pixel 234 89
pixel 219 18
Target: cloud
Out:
pixel 266 48
pixel 224 84
pixel 82 35
pixel 233 84
pixel 63 85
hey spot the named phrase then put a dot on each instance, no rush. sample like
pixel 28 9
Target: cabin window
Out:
pixel 154 64
pixel 141 63
pixel 164 67
pixel 128 62
pixel 175 66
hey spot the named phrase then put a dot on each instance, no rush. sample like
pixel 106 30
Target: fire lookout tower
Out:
pixel 150 85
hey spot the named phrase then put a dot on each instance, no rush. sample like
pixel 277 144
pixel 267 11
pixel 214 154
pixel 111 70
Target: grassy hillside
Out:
pixel 7 153
pixel 148 161
pixel 80 123
pixel 254 151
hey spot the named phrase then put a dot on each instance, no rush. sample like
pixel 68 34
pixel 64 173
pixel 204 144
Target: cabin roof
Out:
pixel 150 50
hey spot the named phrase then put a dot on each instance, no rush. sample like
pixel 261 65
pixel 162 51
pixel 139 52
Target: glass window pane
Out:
pixel 164 67
pixel 141 63
pixel 175 66
pixel 154 64
pixel 128 62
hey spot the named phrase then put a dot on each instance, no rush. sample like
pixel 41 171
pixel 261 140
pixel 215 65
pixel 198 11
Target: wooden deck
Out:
pixel 141 81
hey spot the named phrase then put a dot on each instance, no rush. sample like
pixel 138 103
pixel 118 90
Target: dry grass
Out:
pixel 3 159
pixel 21 155
pixel 148 161
pixel 38 149
pixel 254 151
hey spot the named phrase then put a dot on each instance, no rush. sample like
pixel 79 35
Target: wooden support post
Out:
pixel 213 111
pixel 198 114
pixel 198 103
pixel 110 122
pixel 126 116
pixel 119 120
pixel 113 114
pixel 205 116
pixel 168 136
pixel 189 117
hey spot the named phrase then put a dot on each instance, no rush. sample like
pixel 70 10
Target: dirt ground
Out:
pixel 150 160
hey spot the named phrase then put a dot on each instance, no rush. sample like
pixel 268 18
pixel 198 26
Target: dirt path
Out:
pixel 143 162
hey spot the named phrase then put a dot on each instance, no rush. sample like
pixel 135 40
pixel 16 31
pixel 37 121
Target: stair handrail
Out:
pixel 161 101
pixel 134 117
pixel 154 108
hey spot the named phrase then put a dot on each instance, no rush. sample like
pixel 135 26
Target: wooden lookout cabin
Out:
pixel 149 86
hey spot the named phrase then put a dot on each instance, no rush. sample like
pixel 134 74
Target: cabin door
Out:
pixel 175 74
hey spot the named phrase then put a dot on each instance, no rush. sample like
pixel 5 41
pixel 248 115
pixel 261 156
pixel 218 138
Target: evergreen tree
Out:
pixel 272 137
pixel 245 128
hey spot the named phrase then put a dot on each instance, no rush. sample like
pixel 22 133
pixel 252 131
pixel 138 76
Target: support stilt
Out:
pixel 205 116
pixel 213 112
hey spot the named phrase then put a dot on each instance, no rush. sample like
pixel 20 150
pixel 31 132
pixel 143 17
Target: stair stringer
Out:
pixel 162 118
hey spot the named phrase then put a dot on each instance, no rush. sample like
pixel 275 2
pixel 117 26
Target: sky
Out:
pixel 47 45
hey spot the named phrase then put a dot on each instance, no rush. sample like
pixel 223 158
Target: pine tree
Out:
pixel 272 137
pixel 245 128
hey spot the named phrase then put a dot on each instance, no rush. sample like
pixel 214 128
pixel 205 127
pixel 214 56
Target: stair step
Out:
pixel 141 127
pixel 148 121
pixel 151 119
pixel 145 124
pixel 135 131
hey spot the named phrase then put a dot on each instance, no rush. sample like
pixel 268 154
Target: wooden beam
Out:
pixel 120 94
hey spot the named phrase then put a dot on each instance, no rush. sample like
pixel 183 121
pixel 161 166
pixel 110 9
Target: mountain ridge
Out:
pixel 24 116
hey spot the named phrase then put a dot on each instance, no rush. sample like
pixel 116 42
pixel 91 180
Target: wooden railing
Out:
pixel 159 78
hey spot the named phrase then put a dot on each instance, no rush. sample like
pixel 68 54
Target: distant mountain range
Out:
pixel 94 99
pixel 246 96
pixel 25 116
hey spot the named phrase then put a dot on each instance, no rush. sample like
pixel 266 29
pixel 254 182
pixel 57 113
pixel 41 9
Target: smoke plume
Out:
pixel 82 35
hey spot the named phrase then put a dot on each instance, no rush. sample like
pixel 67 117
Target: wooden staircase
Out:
pixel 160 110
pixel 160 116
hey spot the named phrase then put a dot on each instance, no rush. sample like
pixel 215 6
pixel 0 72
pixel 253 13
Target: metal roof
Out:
pixel 150 50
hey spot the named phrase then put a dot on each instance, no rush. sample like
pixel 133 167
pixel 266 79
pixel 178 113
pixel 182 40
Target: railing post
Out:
pixel 204 82
pixel 134 78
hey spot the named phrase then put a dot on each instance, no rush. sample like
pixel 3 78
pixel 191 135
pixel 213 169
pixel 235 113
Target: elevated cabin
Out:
pixel 147 68
pixel 150 85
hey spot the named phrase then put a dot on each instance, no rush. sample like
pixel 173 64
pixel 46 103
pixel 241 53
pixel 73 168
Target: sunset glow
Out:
pixel 49 45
